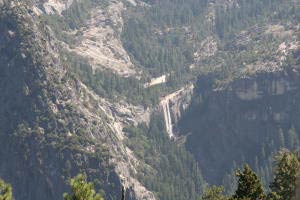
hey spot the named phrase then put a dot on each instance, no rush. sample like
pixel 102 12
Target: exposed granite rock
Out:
pixel 44 108
pixel 230 124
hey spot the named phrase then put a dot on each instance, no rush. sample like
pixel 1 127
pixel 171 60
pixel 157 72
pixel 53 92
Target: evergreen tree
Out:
pixel 249 185
pixel 273 196
pixel 5 191
pixel 284 185
pixel 82 190
pixel 214 193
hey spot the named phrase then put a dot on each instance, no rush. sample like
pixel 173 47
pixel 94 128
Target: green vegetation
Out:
pixel 160 38
pixel 256 12
pixel 284 186
pixel 225 131
pixel 72 18
pixel 5 191
pixel 36 141
pixel 82 190
pixel 163 38
pixel 168 170
pixel 214 193
pixel 249 186
pixel 109 85
pixel 286 176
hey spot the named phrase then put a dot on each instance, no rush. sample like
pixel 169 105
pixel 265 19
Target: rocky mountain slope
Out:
pixel 248 120
pixel 53 126
pixel 99 39
pixel 121 89
pixel 244 108
pixel 44 107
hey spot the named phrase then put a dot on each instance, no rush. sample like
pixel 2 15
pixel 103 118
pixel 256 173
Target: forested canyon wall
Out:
pixel 247 120
pixel 121 89
pixel 45 111
pixel 53 126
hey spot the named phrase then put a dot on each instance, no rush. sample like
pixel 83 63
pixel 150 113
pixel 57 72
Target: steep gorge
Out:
pixel 53 126
pixel 108 121
pixel 246 121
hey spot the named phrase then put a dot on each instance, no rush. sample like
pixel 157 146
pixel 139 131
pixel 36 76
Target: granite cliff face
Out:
pixel 52 126
pixel 174 106
pixel 243 121
pixel 79 93
pixel 245 102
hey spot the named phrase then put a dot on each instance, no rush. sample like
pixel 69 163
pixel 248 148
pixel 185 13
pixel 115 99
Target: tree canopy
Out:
pixel 286 175
pixel 249 185
pixel 82 190
pixel 5 191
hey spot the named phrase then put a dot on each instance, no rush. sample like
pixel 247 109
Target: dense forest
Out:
pixel 169 170
pixel 238 138
pixel 164 37
pixel 285 185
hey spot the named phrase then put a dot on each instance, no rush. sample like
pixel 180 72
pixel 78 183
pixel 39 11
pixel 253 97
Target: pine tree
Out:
pixel 214 193
pixel 82 190
pixel 273 196
pixel 5 191
pixel 284 185
pixel 249 185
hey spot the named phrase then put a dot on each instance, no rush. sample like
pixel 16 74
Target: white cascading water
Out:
pixel 167 115
pixel 165 105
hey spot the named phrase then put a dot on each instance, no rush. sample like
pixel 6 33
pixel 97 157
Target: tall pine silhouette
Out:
pixel 249 185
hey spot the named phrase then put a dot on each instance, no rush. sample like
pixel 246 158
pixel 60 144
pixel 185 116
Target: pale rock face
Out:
pixel 251 90
pixel 37 11
pixel 101 43
pixel 123 158
pixel 56 6
pixel 102 46
pixel 133 2
pixel 156 81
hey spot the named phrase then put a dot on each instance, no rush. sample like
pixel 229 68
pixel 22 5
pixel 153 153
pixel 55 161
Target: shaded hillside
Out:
pixel 244 106
pixel 52 126
pixel 75 93
pixel 42 135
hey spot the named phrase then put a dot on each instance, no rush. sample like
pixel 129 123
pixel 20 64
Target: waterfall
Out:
pixel 167 115
pixel 178 98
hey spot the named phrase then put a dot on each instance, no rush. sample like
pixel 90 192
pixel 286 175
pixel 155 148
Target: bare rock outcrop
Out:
pixel 101 43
